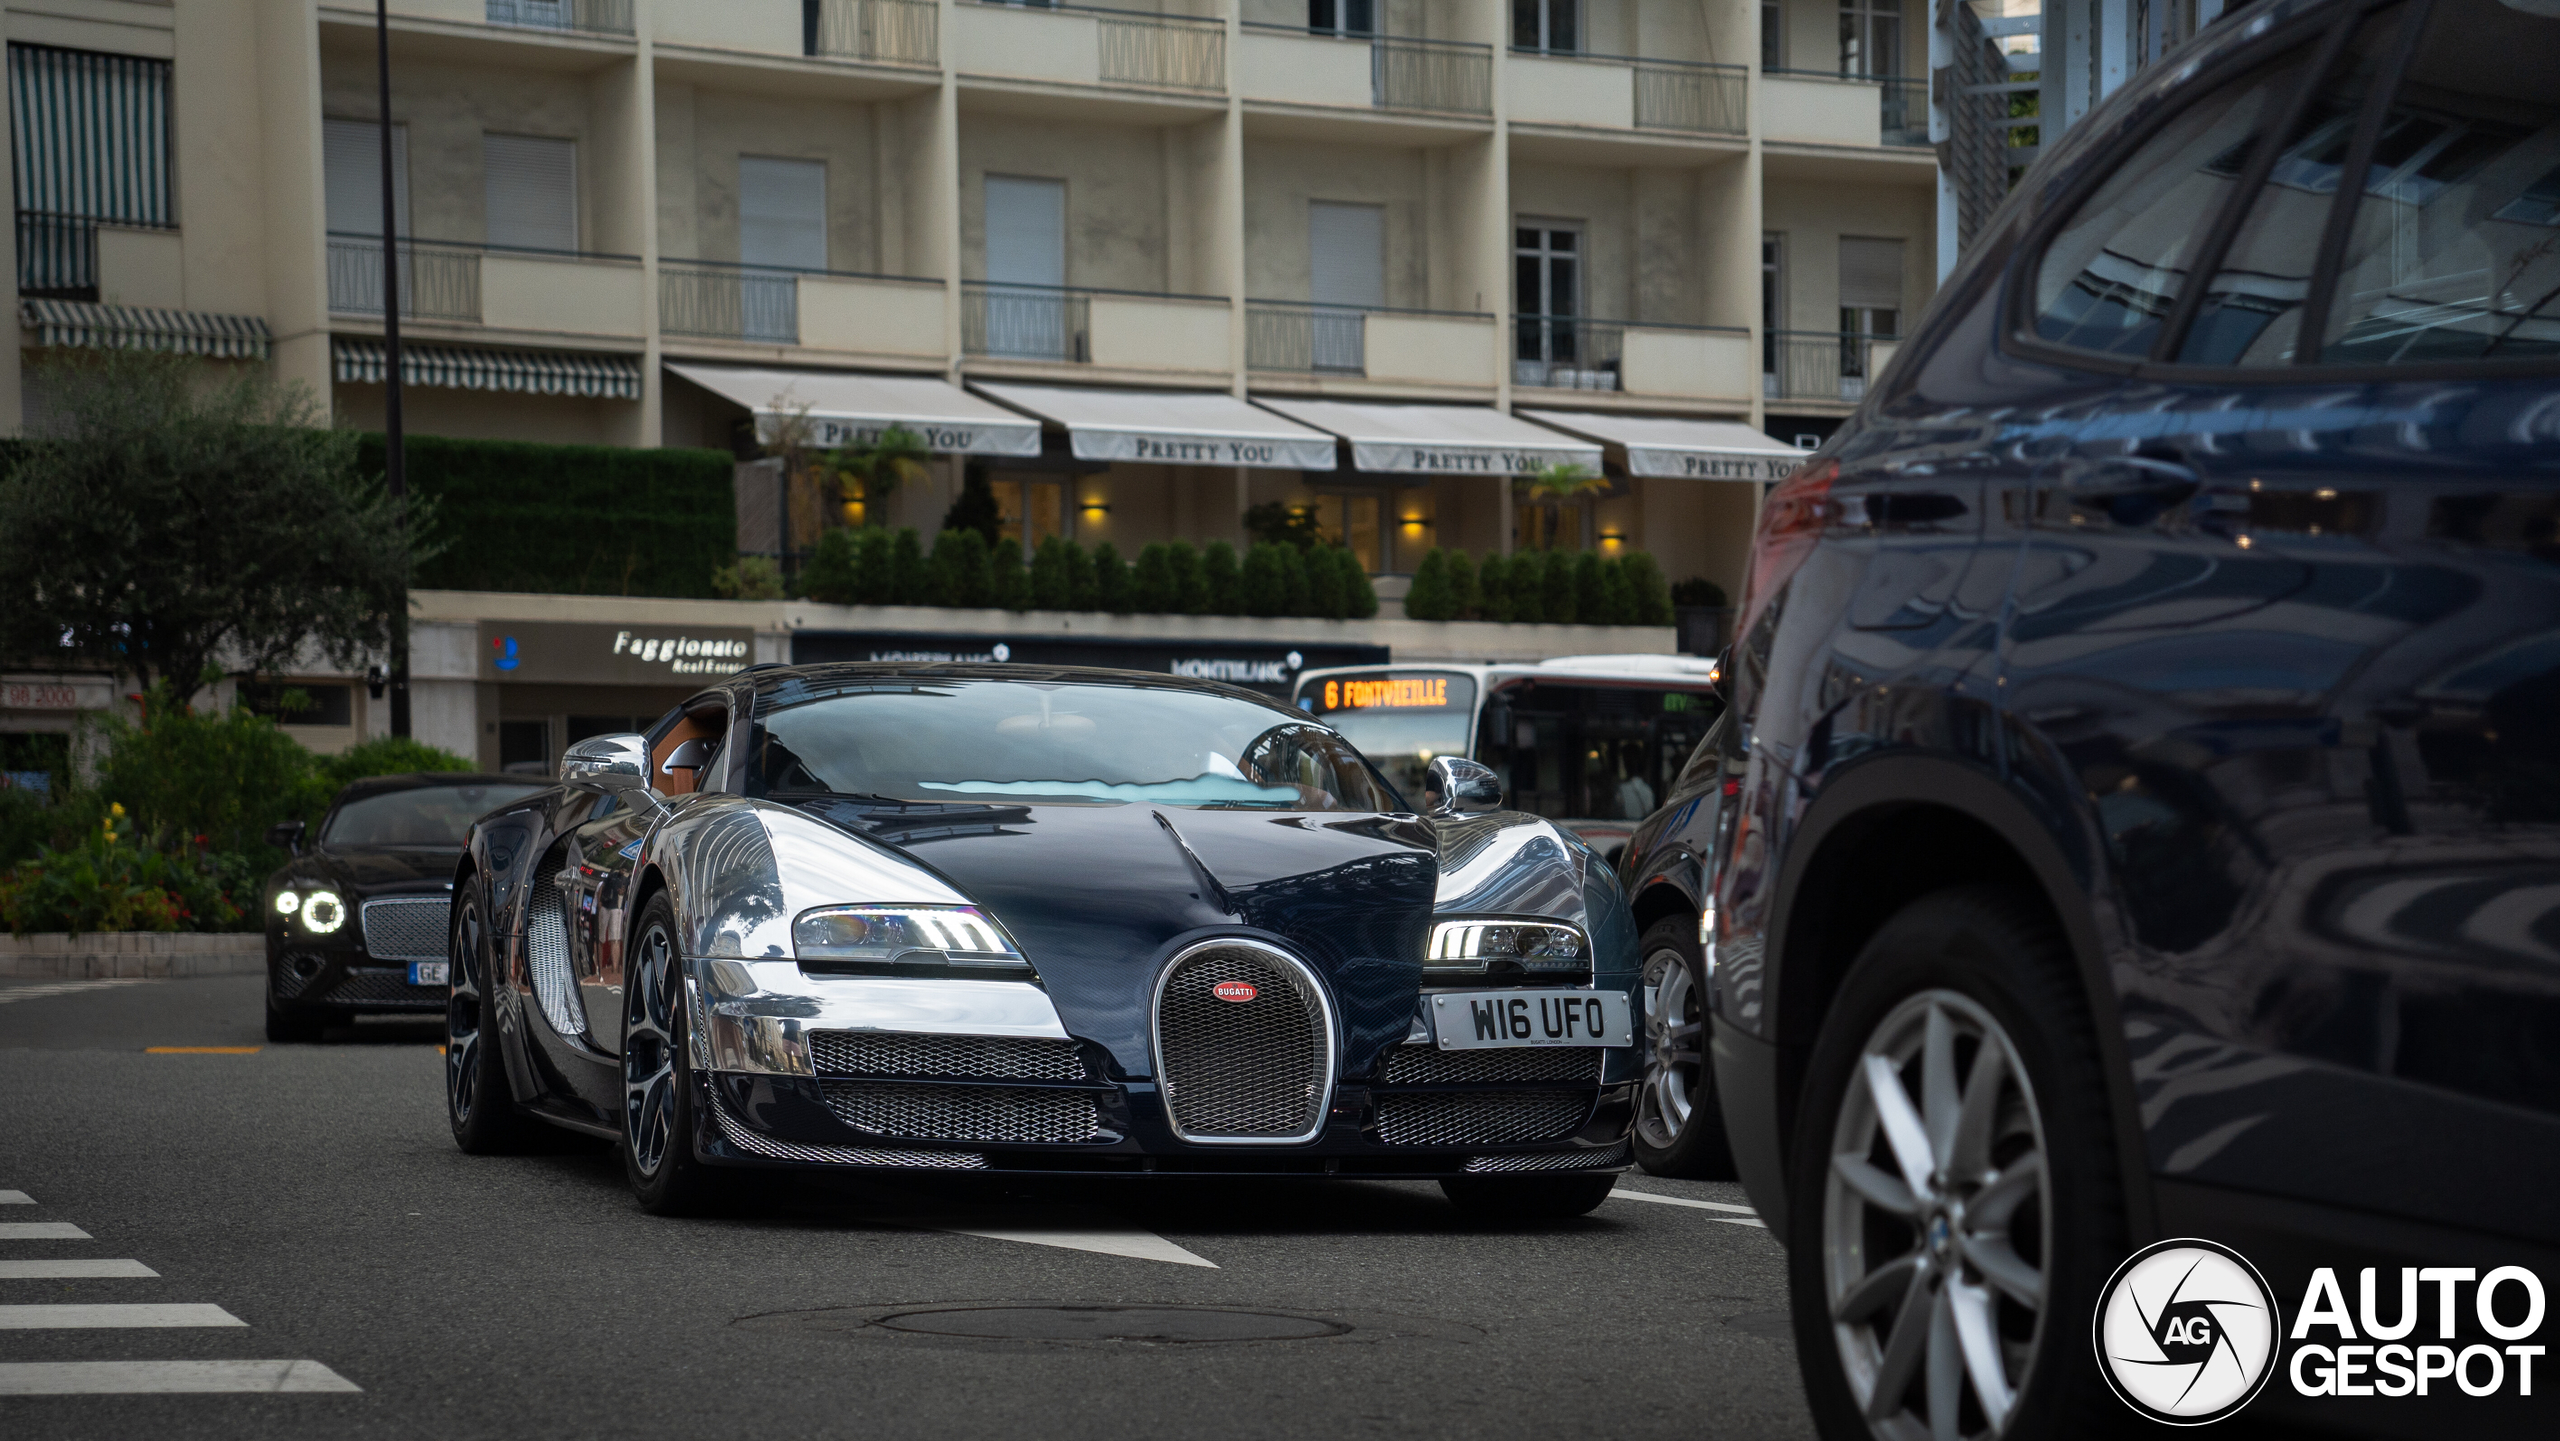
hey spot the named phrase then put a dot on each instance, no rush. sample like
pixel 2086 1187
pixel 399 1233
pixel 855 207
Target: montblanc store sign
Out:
pixel 1272 667
pixel 578 653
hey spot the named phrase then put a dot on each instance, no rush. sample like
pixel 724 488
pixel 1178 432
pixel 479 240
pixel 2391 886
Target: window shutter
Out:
pixel 351 153
pixel 1026 231
pixel 1870 273
pixel 1346 254
pixel 91 133
pixel 533 191
pixel 782 212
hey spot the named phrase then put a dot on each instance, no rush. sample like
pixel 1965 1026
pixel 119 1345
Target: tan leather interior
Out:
pixel 705 729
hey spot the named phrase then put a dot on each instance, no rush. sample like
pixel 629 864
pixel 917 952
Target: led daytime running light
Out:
pixel 323 913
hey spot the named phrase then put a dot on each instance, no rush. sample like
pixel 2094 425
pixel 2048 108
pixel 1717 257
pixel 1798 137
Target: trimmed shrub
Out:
pixel 1616 607
pixel 1265 587
pixel 1185 591
pixel 384 756
pixel 1151 589
pixel 1495 593
pixel 1462 586
pixel 1009 583
pixel 1431 598
pixel 1111 580
pixel 833 575
pixel 961 575
pixel 975 508
pixel 1648 603
pixel 1327 597
pixel 1698 590
pixel 1556 592
pixel 1053 575
pixel 1590 590
pixel 1221 579
pixel 910 574
pixel 1359 595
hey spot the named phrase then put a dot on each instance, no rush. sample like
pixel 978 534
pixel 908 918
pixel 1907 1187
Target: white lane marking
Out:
pixel 1747 1218
pixel 1107 1241
pixel 16 1198
pixel 67 1270
pixel 109 1378
pixel 91 1317
pixel 64 988
pixel 41 1231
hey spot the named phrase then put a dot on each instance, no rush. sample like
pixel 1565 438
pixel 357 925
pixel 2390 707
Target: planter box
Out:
pixel 95 954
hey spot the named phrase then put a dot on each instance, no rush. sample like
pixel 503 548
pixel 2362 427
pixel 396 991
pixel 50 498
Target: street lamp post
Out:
pixel 395 476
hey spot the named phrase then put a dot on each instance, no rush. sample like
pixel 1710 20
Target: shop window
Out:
pixel 1030 511
pixel 524 747
pixel 1552 524
pixel 298 703
pixel 1354 520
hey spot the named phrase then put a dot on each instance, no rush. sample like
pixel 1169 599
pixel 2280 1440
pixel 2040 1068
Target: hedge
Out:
pixel 876 567
pixel 1552 586
pixel 570 519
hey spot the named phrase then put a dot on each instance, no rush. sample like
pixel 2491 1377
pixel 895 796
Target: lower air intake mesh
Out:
pixel 1550 1160
pixel 1423 1066
pixel 1251 1069
pixel 1479 1118
pixel 756 1143
pixel 546 958
pixel 994 1058
pixel 964 1113
pixel 367 986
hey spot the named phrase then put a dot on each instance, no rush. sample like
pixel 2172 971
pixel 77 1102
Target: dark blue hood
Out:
pixel 1101 896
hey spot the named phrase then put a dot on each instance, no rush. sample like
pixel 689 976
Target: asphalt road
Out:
pixel 313 1194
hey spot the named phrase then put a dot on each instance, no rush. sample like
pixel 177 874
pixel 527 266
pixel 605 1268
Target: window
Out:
pixel 533 191
pixel 1590 752
pixel 351 159
pixel 2110 276
pixel 1027 247
pixel 1354 521
pixel 1029 511
pixel 1870 37
pixel 782 213
pixel 1546 297
pixel 1773 35
pixel 1346 275
pixel 90 138
pixel 1870 299
pixel 1342 17
pixel 1773 298
pixel 1553 25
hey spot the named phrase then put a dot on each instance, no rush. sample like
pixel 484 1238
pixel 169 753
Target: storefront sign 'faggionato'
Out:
pixel 576 652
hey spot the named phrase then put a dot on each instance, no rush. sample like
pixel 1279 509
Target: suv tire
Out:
pixel 1678 1131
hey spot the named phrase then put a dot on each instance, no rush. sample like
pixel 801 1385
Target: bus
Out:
pixel 1589 741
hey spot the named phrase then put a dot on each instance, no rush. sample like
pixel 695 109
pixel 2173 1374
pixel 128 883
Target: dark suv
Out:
pixel 2141 813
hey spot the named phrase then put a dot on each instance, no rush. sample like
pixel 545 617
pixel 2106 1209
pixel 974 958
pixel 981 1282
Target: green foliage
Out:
pixel 833 574
pixel 1591 592
pixel 107 881
pixel 1151 590
pixel 211 780
pixel 1494 589
pixel 1565 480
pixel 749 577
pixel 1009 583
pixel 1556 593
pixel 1648 603
pixel 569 519
pixel 1328 591
pixel 872 473
pixel 1462 584
pixel 1698 590
pixel 1279 523
pixel 383 756
pixel 1061 576
pixel 1111 580
pixel 1263 587
pixel 1360 596
pixel 1187 594
pixel 174 525
pixel 976 509
pixel 1431 597
pixel 910 575
pixel 1221 578
pixel 960 575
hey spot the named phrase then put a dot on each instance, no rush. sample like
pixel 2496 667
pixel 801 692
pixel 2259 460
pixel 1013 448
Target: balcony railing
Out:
pixel 721 301
pixel 603 17
pixel 1026 322
pixel 1323 339
pixel 1567 352
pixel 1816 364
pixel 438 280
pixel 904 32
pixel 1172 52
pixel 1431 75
pixel 1903 103
pixel 1698 99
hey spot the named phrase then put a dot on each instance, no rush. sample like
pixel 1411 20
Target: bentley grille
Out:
pixel 1252 1064
pixel 1479 1118
pixel 964 1113
pixel 546 958
pixel 407 930
pixel 1000 1058
pixel 1424 1066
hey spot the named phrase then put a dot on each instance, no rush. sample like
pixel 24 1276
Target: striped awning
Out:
pixel 525 372
pixel 134 327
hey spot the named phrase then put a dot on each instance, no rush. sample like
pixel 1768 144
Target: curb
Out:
pixel 100 954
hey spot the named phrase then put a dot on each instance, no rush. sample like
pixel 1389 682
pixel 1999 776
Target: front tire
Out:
pixel 658 1117
pixel 1953 1193
pixel 1528 1198
pixel 478 1101
pixel 1679 1131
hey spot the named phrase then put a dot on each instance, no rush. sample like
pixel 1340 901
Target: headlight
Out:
pixel 1488 947
pixel 323 912
pixel 287 902
pixel 958 941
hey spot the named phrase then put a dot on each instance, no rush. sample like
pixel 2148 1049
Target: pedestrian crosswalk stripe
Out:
pixel 108 1378
pixel 69 1270
pixel 64 988
pixel 1104 1240
pixel 41 1231
pixel 91 1317
pixel 16 1198
pixel 1747 1218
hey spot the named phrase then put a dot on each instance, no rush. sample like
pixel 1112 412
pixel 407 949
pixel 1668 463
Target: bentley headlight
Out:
pixel 1502 947
pixel 958 941
pixel 287 903
pixel 323 912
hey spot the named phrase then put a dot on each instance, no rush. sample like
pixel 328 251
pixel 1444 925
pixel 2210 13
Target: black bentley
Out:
pixel 356 921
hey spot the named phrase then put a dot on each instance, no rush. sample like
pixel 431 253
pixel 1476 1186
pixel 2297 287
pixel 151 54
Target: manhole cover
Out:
pixel 1158 1325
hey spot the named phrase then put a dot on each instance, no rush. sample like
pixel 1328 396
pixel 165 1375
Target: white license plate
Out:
pixel 429 973
pixel 1477 1020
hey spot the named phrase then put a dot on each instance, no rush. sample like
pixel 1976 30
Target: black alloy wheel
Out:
pixel 1953 1195
pixel 658 1105
pixel 1528 1198
pixel 1679 1131
pixel 477 1100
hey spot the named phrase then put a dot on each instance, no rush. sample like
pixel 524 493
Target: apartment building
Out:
pixel 1148 266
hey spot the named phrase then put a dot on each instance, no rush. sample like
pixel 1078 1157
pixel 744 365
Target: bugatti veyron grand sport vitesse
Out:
pixel 1015 919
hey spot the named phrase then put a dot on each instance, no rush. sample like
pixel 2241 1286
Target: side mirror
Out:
pixel 1455 787
pixel 287 834
pixel 614 764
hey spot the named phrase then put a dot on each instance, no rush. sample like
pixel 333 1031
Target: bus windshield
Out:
pixel 1399 719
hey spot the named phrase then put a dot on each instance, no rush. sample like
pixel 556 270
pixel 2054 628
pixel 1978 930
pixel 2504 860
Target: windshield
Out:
pixel 1398 719
pixel 963 740
pixel 426 816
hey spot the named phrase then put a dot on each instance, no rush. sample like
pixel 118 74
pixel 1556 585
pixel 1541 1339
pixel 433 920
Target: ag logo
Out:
pixel 2186 1331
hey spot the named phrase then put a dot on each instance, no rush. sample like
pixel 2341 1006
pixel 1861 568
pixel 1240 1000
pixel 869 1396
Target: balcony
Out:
pixel 1091 45
pixel 1431 347
pixel 1821 365
pixel 892 32
pixel 1078 325
pixel 1687 362
pixel 1807 105
pixel 719 301
pixel 595 17
pixel 558 292
pixel 1382 72
pixel 1622 91
pixel 1323 339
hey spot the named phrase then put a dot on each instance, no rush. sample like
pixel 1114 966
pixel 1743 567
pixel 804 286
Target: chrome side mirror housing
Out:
pixel 608 763
pixel 1455 787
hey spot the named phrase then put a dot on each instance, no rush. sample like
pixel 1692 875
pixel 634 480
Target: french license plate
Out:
pixel 429 973
pixel 1478 1020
